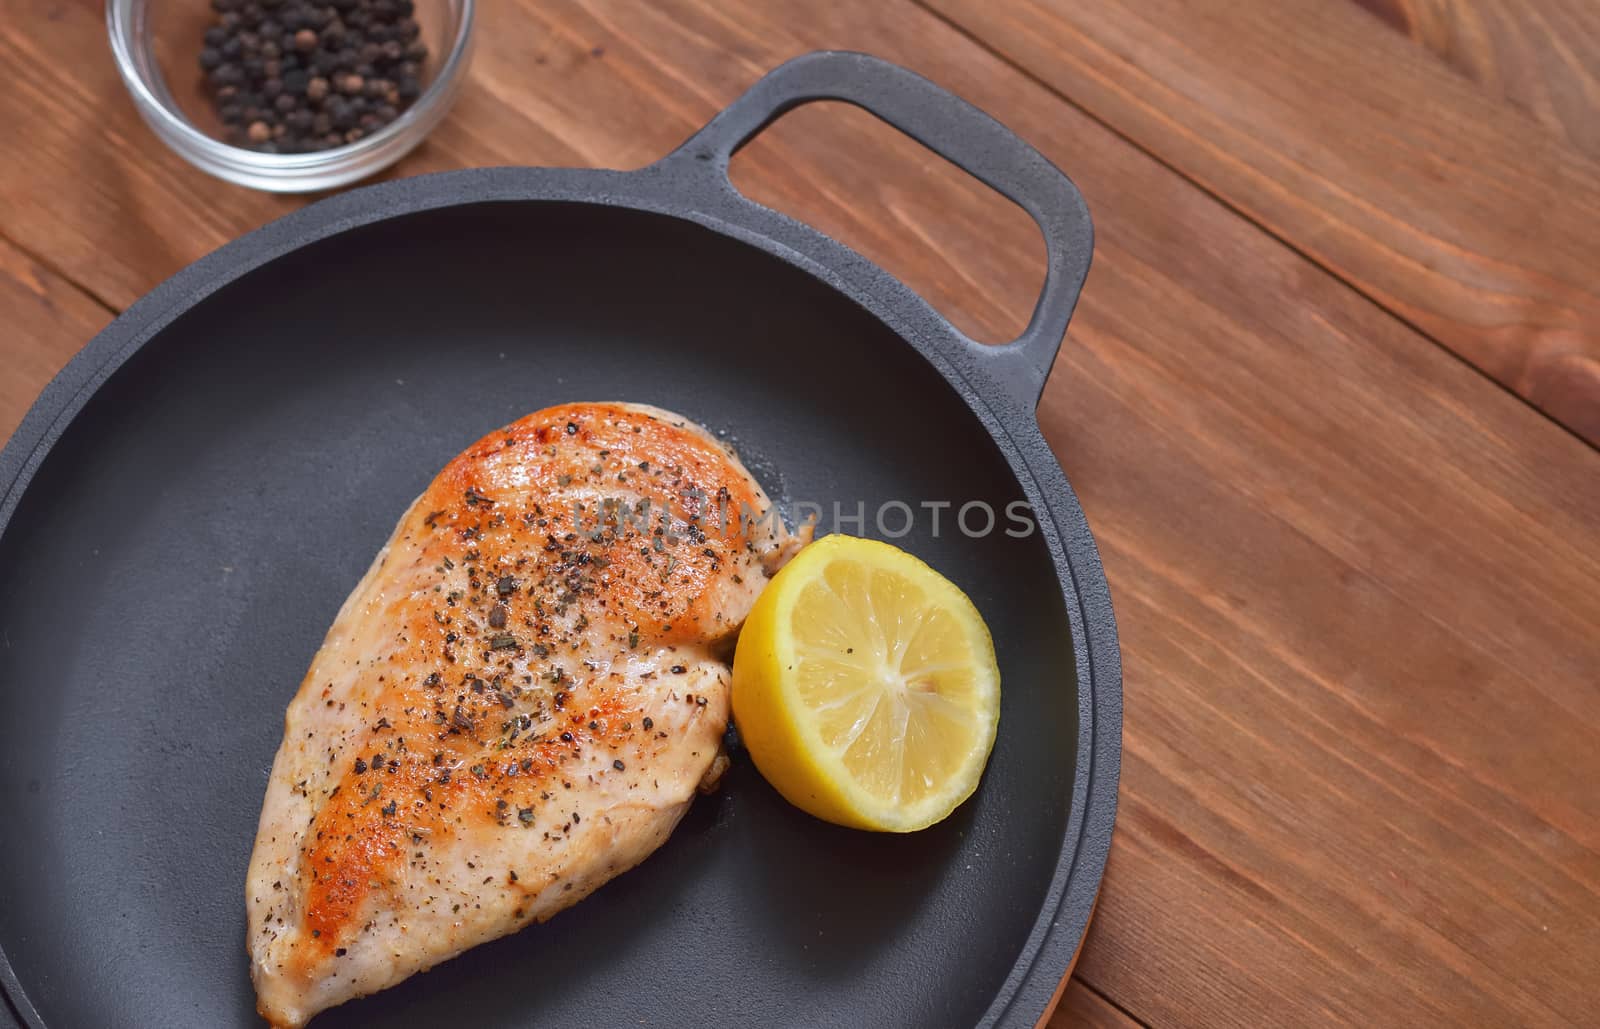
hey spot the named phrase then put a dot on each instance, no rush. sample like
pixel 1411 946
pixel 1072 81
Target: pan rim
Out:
pixel 1048 953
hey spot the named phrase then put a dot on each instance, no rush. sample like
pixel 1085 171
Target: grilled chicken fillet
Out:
pixel 515 704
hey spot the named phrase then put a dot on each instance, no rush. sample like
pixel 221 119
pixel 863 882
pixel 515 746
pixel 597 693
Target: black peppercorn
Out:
pixel 343 116
pixel 293 76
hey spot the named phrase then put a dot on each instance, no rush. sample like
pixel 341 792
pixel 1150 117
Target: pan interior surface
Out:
pixel 178 556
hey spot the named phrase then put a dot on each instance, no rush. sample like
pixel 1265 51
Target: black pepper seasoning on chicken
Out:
pixel 500 655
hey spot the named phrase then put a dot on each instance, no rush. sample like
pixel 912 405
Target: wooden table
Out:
pixel 1331 401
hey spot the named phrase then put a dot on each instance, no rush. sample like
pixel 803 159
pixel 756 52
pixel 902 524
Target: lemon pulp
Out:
pixel 865 687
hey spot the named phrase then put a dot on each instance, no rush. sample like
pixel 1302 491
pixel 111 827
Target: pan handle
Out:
pixel 962 135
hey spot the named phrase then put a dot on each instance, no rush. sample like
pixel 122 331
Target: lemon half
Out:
pixel 865 687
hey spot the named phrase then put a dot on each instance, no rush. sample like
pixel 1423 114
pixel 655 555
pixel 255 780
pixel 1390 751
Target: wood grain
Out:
pixel 1082 1008
pixel 926 215
pixel 544 91
pixel 1359 150
pixel 1347 789
pixel 1541 56
pixel 1356 581
pixel 46 320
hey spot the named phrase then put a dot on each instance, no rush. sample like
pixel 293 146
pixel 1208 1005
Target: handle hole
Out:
pixel 973 254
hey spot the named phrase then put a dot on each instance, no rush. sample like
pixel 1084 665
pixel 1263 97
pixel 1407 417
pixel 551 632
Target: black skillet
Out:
pixel 190 500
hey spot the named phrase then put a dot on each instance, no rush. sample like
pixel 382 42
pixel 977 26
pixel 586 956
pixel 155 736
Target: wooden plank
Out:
pixel 124 212
pixel 1355 581
pixel 127 212
pixel 46 320
pixel 1362 152
pixel 1328 736
pixel 1542 56
pixel 1082 1008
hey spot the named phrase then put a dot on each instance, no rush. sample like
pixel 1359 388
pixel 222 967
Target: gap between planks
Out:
pixel 1110 1002
pixel 6 239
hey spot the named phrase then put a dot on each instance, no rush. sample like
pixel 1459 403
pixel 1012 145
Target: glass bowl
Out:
pixel 157 46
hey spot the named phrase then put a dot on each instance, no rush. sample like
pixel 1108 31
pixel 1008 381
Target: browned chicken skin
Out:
pixel 514 705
